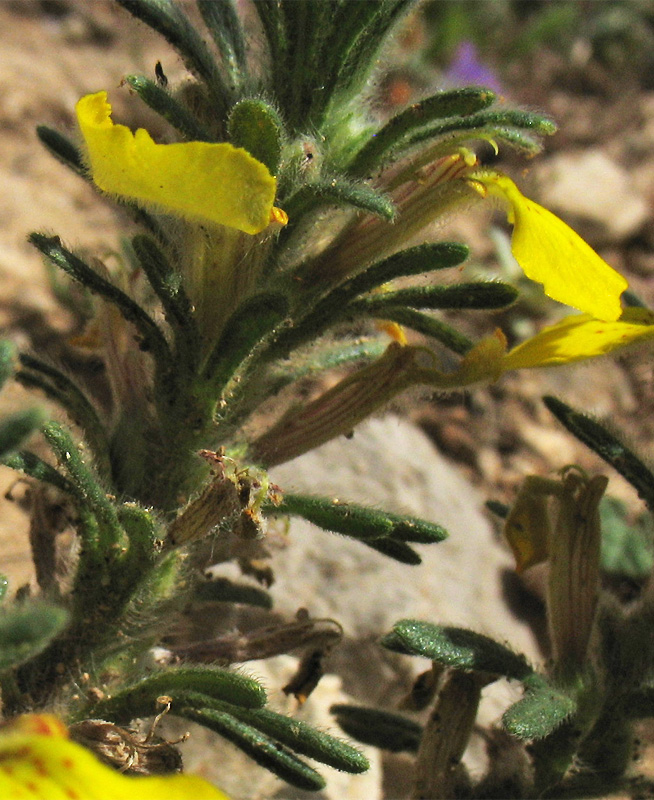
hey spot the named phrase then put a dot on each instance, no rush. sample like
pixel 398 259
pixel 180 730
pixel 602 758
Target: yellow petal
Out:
pixel 38 762
pixel 210 182
pixel 527 527
pixel 551 253
pixel 484 362
pixel 579 337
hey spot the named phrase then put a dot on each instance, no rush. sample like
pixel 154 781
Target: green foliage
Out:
pixel 457 648
pixel 139 699
pixel 360 522
pixel 379 728
pixel 540 712
pixel 256 126
pixel 26 630
pixel 627 545
pixel 607 445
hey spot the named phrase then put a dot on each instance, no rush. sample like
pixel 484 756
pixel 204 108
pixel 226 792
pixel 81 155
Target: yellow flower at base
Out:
pixel 576 338
pixel 552 254
pixel 207 182
pixel 579 337
pixel 39 762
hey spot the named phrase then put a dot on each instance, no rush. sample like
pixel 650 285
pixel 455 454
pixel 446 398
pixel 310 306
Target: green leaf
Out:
pixel 225 28
pixel 359 522
pixel 257 127
pixel 457 648
pixel 153 339
pixel 485 124
pixel 7 361
pixel 540 712
pixel 16 427
pixel 161 101
pixel 167 18
pixel 167 285
pixel 222 590
pixel 488 295
pixel 399 551
pixel 60 388
pixel 139 699
pixel 243 332
pixel 293 733
pixel 627 547
pixel 26 630
pixel 608 446
pixel 453 103
pixel 62 148
pixel 430 326
pixel 261 748
pixel 40 470
pixel 379 728
pixel 337 303
pixel 338 192
pixel 88 488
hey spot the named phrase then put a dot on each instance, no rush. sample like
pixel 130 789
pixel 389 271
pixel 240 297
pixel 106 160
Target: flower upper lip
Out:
pixel 216 183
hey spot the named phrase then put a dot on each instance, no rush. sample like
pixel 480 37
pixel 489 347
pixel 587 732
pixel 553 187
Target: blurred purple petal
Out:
pixel 466 69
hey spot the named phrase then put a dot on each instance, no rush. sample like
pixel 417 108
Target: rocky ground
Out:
pixel 597 172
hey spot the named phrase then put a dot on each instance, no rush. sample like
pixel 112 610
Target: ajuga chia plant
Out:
pixel 264 236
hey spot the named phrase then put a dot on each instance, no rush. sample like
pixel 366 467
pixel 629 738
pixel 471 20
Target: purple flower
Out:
pixel 466 69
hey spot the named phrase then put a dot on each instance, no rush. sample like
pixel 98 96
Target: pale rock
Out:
pixel 392 465
pixel 595 189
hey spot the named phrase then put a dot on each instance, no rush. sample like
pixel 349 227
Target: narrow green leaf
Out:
pixel 381 729
pixel 430 326
pixel 500 510
pixel 359 522
pixel 351 65
pixel 87 485
pixel 167 285
pixel 221 19
pixel 59 387
pixel 26 630
pixel 398 551
pixel 62 148
pixel 139 699
pixel 153 339
pixel 336 304
pixel 486 124
pixel 161 101
pixel 608 446
pixel 453 103
pixel 338 192
pixel 243 333
pixel 480 295
pixel 265 751
pixel 293 733
pixel 7 361
pixel 222 590
pixel 167 18
pixel 456 647
pixel 16 427
pixel 30 464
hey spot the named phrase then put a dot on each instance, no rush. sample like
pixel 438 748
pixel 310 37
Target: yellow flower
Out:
pixel 576 338
pixel 579 337
pixel 207 182
pixel 551 253
pixel 39 762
